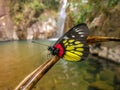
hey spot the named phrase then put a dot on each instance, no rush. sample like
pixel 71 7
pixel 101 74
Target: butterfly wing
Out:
pixel 73 45
pixel 80 30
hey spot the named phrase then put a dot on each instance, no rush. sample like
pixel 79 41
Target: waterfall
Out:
pixel 61 20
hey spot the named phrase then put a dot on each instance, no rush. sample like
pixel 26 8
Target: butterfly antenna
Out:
pixel 95 39
pixel 39 43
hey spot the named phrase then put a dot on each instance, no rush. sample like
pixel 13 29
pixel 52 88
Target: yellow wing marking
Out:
pixel 71 41
pixel 77 42
pixel 79 49
pixel 71 54
pixel 70 48
pixel 77 52
pixel 79 45
pixel 74 46
pixel 66 44
pixel 73 50
pixel 64 41
pixel 72 58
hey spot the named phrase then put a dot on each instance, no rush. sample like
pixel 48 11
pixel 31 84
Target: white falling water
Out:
pixel 61 20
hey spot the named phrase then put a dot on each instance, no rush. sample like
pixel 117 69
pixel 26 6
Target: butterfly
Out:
pixel 72 46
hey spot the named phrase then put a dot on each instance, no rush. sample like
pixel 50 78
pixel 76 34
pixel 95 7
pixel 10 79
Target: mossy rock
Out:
pixel 100 85
pixel 107 76
pixel 89 77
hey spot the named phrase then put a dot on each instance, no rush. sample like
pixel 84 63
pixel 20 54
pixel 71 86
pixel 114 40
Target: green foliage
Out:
pixel 51 4
pixel 30 10
pixel 25 1
pixel 112 2
pixel 18 19
pixel 82 12
pixel 82 17
pixel 37 6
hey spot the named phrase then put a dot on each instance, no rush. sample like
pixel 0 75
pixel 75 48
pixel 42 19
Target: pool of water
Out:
pixel 19 58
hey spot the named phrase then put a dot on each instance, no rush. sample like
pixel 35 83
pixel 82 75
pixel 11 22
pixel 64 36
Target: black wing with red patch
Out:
pixel 72 45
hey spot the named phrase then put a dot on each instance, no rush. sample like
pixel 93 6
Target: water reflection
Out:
pixel 18 59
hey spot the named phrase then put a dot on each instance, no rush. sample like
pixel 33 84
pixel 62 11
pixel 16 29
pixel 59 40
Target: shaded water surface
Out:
pixel 19 58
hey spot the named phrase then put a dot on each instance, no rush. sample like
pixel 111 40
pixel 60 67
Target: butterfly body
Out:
pixel 72 45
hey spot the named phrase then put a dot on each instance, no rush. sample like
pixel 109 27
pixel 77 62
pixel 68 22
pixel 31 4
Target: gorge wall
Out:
pixel 33 20
pixel 26 22
pixel 7 31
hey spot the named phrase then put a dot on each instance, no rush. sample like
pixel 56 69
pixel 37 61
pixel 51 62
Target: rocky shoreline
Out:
pixel 110 54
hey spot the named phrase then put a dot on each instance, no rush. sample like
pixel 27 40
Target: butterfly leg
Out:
pixel 49 56
pixel 56 51
pixel 53 50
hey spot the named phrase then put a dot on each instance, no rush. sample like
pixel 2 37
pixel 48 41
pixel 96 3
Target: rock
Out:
pixel 89 77
pixel 106 23
pixel 100 85
pixel 7 31
pixel 111 54
pixel 107 76
pixel 97 22
pixel 42 30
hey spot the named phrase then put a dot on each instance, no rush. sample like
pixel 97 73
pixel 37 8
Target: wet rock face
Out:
pixel 7 31
pixel 111 54
pixel 42 30
pixel 24 29
pixel 2 9
pixel 2 29
pixel 6 28
pixel 2 22
pixel 38 30
pixel 107 23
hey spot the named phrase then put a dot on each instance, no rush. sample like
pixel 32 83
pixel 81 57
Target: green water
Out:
pixel 19 58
